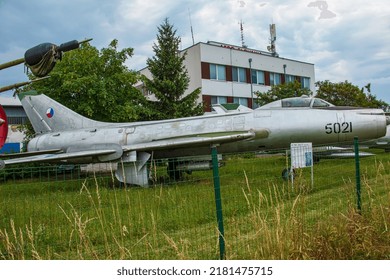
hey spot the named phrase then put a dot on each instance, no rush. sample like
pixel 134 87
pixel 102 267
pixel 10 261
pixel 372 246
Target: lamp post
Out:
pixel 250 78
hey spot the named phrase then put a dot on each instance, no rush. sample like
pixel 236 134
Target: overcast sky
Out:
pixel 346 40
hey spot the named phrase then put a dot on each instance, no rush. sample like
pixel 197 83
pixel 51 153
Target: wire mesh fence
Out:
pixel 83 212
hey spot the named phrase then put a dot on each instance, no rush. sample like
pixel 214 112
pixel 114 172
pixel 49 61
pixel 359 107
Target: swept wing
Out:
pixel 101 153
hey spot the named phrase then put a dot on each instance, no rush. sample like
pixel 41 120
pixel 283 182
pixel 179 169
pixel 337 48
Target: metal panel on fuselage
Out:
pixel 177 128
pixel 80 138
pixel 298 125
pixel 320 126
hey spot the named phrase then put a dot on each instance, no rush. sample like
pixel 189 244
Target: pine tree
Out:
pixel 170 78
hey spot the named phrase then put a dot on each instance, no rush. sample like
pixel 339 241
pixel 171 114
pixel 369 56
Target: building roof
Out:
pixel 10 102
pixel 249 50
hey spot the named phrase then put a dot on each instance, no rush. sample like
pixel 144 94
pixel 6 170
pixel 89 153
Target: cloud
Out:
pixel 350 42
pixel 143 14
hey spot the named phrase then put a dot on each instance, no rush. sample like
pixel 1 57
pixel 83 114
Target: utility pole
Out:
pixel 250 79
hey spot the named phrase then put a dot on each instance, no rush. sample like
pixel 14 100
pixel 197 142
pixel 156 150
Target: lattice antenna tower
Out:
pixel 192 31
pixel 242 35
pixel 272 47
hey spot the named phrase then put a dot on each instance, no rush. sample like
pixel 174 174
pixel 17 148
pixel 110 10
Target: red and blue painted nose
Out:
pixel 3 127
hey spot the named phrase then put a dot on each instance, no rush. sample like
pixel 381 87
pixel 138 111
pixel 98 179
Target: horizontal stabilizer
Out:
pixel 56 157
pixel 27 154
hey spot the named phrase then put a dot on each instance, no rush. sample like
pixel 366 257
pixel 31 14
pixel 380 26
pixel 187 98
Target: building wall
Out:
pixel 193 66
pixel 223 54
pixel 199 57
pixel 15 117
pixel 14 110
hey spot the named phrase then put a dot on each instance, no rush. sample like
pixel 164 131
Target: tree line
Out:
pixel 339 94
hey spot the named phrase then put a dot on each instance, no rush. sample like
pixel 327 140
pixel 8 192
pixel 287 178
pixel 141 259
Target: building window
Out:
pixel 16 120
pixel 290 79
pixel 258 77
pixel 217 72
pixel 274 79
pixel 239 74
pixel 305 82
pixel 241 101
pixel 219 100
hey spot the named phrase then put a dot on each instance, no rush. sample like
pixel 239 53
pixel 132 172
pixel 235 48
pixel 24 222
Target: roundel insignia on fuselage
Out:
pixel 50 113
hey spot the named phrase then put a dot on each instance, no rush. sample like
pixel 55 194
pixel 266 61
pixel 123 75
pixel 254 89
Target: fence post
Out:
pixel 218 202
pixel 357 172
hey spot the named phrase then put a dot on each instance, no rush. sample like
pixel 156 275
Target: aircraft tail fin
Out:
pixel 47 115
pixel 3 127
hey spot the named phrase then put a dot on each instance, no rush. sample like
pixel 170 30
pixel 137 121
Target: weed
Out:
pixel 264 217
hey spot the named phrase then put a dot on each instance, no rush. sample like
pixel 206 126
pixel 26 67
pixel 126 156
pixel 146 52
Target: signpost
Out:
pixel 301 157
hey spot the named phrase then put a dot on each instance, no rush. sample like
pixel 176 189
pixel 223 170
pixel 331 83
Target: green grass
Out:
pixel 264 217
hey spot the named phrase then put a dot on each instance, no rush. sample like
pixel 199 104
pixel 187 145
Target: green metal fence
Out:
pixel 72 212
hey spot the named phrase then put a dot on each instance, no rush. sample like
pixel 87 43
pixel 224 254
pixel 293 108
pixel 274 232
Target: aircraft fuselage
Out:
pixel 282 126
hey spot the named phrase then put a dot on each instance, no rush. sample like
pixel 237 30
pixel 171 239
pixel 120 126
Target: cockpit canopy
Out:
pixel 298 102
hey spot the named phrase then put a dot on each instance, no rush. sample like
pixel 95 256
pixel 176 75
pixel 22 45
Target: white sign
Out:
pixel 301 155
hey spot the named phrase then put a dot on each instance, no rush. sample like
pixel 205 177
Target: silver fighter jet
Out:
pixel 65 136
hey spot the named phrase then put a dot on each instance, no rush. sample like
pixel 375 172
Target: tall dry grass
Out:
pixel 264 219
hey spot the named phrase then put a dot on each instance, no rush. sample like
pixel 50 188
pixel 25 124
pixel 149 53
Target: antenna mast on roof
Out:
pixel 272 47
pixel 242 35
pixel 192 31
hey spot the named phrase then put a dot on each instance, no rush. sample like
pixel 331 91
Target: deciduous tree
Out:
pixel 340 94
pixel 281 91
pixel 97 84
pixel 347 94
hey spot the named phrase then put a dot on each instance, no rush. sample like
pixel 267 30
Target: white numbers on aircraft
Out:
pixel 345 127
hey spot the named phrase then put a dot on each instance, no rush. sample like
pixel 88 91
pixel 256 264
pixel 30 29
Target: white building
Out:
pixel 223 72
